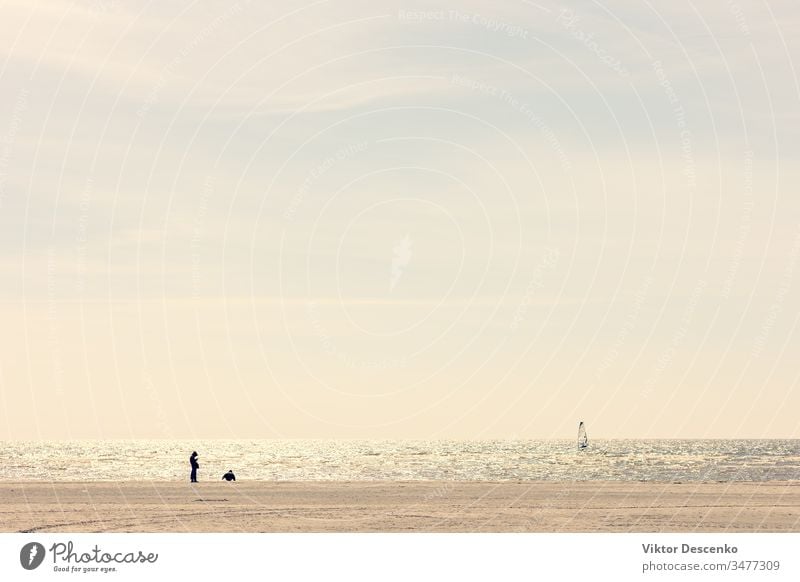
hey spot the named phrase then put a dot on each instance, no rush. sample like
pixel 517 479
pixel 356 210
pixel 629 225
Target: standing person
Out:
pixel 195 466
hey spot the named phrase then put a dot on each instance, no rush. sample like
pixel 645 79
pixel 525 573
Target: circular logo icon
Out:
pixel 31 555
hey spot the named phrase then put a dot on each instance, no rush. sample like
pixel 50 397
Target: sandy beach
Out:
pixel 413 506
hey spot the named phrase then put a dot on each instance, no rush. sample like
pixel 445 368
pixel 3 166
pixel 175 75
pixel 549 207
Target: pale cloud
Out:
pixel 228 182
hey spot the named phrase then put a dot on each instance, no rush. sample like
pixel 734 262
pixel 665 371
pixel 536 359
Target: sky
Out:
pixel 394 220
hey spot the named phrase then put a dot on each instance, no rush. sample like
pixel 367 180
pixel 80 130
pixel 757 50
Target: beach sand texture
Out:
pixel 410 506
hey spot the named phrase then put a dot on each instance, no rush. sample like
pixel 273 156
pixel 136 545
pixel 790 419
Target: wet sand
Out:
pixel 411 506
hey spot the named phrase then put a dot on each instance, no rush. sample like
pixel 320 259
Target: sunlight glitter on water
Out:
pixel 318 460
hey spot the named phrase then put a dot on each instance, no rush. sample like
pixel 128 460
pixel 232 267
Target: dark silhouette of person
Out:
pixel 195 466
pixel 229 476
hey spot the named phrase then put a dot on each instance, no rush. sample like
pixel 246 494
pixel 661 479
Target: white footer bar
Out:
pixel 380 557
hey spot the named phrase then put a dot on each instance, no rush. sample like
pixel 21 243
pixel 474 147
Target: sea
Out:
pixel 355 460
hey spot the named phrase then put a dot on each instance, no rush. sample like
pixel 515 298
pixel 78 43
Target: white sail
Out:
pixel 583 439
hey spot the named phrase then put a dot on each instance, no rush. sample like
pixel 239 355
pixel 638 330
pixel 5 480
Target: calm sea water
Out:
pixel 651 460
